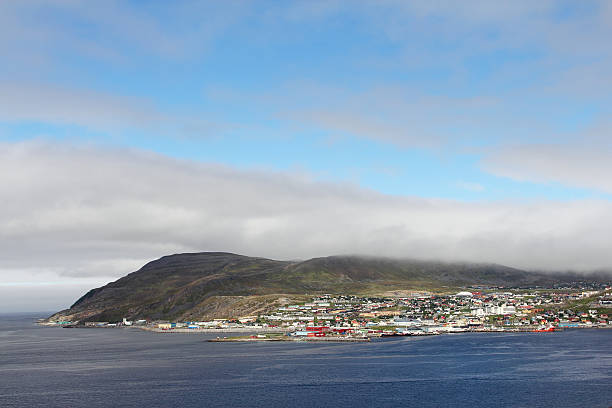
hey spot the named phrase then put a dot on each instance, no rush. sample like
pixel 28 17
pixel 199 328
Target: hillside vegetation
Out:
pixel 197 286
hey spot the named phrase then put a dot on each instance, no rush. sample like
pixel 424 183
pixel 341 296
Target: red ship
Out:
pixel 543 329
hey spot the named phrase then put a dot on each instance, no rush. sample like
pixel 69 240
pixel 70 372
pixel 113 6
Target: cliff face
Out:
pixel 197 286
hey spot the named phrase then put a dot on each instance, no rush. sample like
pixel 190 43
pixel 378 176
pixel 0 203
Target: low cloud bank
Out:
pixel 73 212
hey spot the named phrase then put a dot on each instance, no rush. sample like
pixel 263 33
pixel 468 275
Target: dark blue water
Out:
pixel 54 367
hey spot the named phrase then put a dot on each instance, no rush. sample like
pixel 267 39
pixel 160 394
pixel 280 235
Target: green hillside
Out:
pixel 198 286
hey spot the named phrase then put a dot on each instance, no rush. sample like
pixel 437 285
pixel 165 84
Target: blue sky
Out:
pixel 471 130
pixel 273 85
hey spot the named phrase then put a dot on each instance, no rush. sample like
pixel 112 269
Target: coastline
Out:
pixel 291 339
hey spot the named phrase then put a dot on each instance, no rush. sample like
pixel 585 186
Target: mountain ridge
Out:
pixel 203 285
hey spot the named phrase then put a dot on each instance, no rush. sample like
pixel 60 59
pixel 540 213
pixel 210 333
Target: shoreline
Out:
pixel 285 338
pixel 284 335
pixel 207 331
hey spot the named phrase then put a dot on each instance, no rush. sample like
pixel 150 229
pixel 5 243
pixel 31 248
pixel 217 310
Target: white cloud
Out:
pixel 86 212
pixel 584 166
pixel 99 111
pixel 398 115
pixel 60 105
pixel 113 31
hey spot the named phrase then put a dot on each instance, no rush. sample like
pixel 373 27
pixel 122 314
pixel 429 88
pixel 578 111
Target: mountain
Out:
pixel 196 286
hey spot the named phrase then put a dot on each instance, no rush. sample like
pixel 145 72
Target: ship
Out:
pixel 544 329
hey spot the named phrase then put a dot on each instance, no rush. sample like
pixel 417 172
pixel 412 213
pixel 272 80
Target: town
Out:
pixel 418 313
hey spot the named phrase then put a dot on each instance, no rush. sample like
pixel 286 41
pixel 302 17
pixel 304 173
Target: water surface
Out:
pixel 55 367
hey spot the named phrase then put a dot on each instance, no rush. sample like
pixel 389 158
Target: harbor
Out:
pixel 418 313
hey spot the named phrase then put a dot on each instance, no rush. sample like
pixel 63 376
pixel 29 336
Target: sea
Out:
pixel 122 367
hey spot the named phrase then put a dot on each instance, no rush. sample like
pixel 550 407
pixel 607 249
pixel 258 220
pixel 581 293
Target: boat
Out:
pixel 544 329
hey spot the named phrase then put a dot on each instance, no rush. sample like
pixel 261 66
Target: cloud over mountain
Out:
pixel 75 210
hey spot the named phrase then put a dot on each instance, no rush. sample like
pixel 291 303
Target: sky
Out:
pixel 473 131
